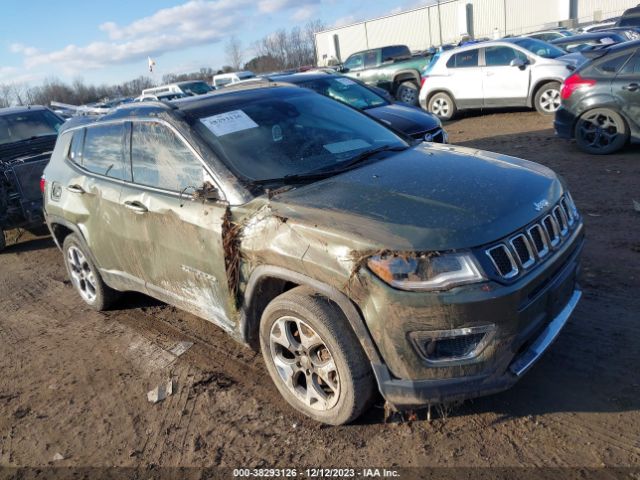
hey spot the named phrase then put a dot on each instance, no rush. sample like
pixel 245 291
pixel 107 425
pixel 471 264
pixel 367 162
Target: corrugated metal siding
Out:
pixel 524 16
pixel 352 39
pixel 419 29
pixel 594 10
pixel 411 29
pixel 488 15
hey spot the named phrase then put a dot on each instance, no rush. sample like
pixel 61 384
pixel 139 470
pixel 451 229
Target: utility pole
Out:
pixel 439 23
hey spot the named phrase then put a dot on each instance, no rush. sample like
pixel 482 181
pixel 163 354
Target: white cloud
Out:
pixel 272 6
pixel 196 22
pixel 304 13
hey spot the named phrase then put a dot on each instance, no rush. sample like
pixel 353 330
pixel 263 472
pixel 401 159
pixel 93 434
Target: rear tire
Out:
pixel 408 92
pixel 601 131
pixel 443 106
pixel 547 99
pixel 305 339
pixel 85 276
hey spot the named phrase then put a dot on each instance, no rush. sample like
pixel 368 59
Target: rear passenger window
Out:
pixel 633 66
pixel 160 159
pixel 371 59
pixel 464 59
pixel 103 151
pixel 613 65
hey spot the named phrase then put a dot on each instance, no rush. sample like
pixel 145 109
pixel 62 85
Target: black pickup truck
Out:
pixel 27 138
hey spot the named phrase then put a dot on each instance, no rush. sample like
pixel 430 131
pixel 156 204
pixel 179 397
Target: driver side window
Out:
pixel 160 159
pixel 354 62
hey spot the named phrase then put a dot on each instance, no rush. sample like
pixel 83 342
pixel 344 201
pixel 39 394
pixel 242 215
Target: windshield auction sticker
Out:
pixel 228 122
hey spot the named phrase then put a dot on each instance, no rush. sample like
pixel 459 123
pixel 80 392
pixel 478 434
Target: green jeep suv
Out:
pixel 353 258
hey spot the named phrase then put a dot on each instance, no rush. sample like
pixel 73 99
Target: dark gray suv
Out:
pixel 352 259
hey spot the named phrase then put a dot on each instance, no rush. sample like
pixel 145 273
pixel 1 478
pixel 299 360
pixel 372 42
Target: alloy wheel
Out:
pixel 550 100
pixel 599 130
pixel 440 107
pixel 304 363
pixel 81 273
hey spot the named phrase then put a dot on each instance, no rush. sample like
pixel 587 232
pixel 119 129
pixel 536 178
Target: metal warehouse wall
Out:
pixel 596 10
pixel 446 22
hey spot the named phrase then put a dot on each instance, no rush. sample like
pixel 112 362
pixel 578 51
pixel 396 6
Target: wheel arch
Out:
pixel 602 100
pixel 538 85
pixel 404 75
pixel 267 282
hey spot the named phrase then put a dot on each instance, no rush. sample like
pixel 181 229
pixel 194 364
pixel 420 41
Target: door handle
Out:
pixel 632 87
pixel 75 189
pixel 136 207
pixel 489 74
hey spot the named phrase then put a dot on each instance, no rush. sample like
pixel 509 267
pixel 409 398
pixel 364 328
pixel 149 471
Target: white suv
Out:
pixel 513 72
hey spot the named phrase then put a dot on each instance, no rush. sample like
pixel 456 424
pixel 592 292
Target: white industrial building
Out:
pixel 447 21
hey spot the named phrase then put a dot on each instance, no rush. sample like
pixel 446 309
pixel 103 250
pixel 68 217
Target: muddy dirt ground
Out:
pixel 74 381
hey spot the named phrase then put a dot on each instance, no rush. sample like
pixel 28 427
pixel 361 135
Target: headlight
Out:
pixel 426 272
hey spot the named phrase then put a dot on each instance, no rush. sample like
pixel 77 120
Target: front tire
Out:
pixel 547 99
pixel 408 93
pixel 601 131
pixel 84 275
pixel 314 358
pixel 443 106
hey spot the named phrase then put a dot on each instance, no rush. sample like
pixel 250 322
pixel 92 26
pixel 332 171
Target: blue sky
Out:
pixel 108 41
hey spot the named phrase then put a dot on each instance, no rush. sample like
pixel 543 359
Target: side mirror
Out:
pixel 207 193
pixel 518 62
pixel 342 69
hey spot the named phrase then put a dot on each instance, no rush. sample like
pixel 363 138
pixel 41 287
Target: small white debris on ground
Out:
pixel 180 348
pixel 57 457
pixel 161 392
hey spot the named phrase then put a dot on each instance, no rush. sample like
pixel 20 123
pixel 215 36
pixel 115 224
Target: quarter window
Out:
pixel 160 159
pixel 103 151
pixel 464 59
pixel 75 152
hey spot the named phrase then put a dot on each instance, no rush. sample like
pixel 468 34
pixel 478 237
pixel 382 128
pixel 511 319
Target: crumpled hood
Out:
pixel 429 197
pixel 407 119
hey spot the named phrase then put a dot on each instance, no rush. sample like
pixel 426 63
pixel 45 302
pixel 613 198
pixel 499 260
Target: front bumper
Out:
pixel 527 315
pixel 564 123
pixel 407 393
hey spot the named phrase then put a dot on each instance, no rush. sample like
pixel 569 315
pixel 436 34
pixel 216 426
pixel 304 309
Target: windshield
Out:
pixel 538 47
pixel 196 88
pixel 25 125
pixel 347 91
pixel 293 134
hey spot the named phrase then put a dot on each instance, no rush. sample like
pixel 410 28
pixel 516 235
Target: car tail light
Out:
pixel 573 83
pixel 422 80
pixel 43 183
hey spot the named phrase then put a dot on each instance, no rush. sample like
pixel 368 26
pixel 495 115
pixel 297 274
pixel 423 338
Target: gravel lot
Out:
pixel 74 381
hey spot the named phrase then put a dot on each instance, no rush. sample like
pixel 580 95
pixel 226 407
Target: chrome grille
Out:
pixel 503 261
pixel 525 249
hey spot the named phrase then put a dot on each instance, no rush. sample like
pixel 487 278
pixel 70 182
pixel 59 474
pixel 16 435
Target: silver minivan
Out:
pixel 512 72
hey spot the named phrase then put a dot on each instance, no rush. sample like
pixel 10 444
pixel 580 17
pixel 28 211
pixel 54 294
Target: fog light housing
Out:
pixel 452 346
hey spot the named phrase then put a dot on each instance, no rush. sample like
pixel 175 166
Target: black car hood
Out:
pixel 427 198
pixel 410 120
pixel 27 149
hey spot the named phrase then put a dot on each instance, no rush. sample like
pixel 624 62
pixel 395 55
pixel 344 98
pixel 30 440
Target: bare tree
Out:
pixel 234 52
